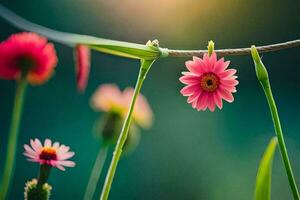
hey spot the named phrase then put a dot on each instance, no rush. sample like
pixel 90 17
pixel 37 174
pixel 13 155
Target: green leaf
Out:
pixel 263 179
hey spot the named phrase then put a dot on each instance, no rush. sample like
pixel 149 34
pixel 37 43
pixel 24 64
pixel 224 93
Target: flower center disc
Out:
pixel 48 153
pixel 209 82
pixel 25 63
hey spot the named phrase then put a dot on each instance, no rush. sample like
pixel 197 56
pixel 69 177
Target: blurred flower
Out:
pixel 31 191
pixel 108 98
pixel 27 54
pixel 82 60
pixel 208 82
pixel 54 155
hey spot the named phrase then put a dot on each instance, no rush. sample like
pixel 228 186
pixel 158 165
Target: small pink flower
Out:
pixel 82 60
pixel 55 155
pixel 30 53
pixel 109 98
pixel 208 82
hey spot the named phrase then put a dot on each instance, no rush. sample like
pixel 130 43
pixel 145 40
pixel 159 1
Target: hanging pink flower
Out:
pixel 208 81
pixel 55 155
pixel 27 53
pixel 82 60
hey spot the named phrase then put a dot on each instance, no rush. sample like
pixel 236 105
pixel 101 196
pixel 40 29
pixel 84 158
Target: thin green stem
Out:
pixel 96 172
pixel 145 66
pixel 43 176
pixel 284 154
pixel 13 139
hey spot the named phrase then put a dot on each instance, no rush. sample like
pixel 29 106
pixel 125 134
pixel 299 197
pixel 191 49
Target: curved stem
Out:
pixel 96 172
pixel 145 66
pixel 282 146
pixel 13 139
pixel 71 39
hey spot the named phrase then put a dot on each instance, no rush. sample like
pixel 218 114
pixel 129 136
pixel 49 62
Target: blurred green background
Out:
pixel 187 154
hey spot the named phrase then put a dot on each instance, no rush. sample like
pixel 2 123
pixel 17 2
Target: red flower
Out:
pixel 27 53
pixel 82 59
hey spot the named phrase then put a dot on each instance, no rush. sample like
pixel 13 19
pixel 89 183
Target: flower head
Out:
pixel 109 98
pixel 27 54
pixel 55 155
pixel 82 59
pixel 208 81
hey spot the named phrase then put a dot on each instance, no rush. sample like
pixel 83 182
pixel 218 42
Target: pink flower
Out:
pixel 55 155
pixel 208 82
pixel 109 98
pixel 27 53
pixel 82 59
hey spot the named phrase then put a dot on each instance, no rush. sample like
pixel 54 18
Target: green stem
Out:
pixel 96 172
pixel 145 66
pixel 278 130
pixel 13 139
pixel 43 176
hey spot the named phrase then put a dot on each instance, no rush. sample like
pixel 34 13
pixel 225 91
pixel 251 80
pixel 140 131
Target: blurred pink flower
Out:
pixel 27 53
pixel 55 155
pixel 109 98
pixel 82 60
pixel 208 82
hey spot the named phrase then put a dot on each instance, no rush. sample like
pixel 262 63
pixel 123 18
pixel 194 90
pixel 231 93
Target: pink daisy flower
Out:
pixel 82 59
pixel 30 53
pixel 55 155
pixel 208 81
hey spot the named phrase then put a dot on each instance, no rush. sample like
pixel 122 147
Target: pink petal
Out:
pixel 66 163
pixel 189 79
pixel 82 58
pixel 29 149
pixel 60 167
pixel 190 89
pixel 218 100
pixel 226 95
pixel 192 66
pixel 227 73
pixel 211 103
pixel 212 61
pixel 220 65
pixel 202 102
pixel 55 145
pixel 229 82
pixel 47 143
pixel 33 156
pixel 63 149
pixel 66 155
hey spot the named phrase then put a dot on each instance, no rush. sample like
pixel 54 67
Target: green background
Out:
pixel 187 154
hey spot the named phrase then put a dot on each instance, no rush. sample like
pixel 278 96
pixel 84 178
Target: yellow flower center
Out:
pixel 209 82
pixel 48 153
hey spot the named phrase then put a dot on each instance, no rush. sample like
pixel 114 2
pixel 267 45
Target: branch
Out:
pixel 71 39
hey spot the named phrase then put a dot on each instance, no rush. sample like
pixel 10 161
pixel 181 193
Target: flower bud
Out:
pixel 31 192
pixel 261 71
